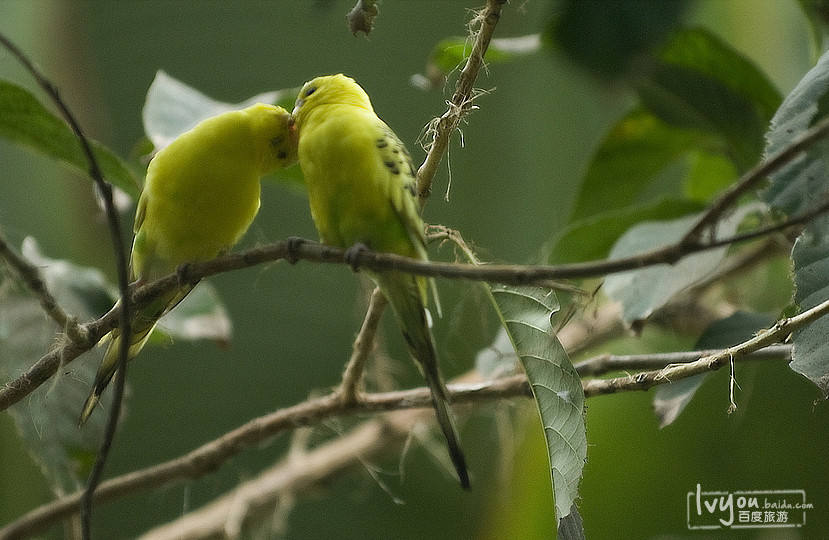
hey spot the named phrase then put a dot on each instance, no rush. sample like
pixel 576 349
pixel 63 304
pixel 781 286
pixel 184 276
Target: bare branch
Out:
pixel 642 381
pixel 352 375
pixel 30 276
pixel 301 249
pixel 411 406
pixel 606 363
pixel 121 267
pixel 442 128
pixel 752 179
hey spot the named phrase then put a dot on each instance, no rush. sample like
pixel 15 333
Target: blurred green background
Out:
pixel 512 186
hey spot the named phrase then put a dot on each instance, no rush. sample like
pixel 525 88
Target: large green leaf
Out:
pixel 798 187
pixel 701 120
pixel 640 159
pixel 48 420
pixel 641 292
pixel 525 314
pixel 810 350
pixel 703 84
pixel 25 121
pixel 591 238
pixel 804 181
pixel 613 38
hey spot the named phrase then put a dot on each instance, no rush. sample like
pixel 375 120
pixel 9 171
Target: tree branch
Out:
pixel 753 177
pixel 643 381
pixel 411 406
pixel 300 249
pixel 349 391
pixel 30 276
pixel 606 363
pixel 121 267
pixel 461 103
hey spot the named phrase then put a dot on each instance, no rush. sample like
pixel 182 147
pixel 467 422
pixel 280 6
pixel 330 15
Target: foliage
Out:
pixel 700 118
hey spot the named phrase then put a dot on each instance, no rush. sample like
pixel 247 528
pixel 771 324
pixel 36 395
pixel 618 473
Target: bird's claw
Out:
pixel 181 273
pixel 293 243
pixel 354 253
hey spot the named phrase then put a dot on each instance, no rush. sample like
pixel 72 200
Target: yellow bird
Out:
pixel 200 196
pixel 362 192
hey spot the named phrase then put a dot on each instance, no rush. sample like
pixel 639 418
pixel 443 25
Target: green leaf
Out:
pixel 702 119
pixel 817 14
pixel 641 292
pixel 451 52
pixel 24 121
pixel 641 159
pixel 798 187
pixel 593 237
pixel 708 174
pixel 48 420
pixel 172 107
pixel 803 182
pixel 613 38
pixel 810 350
pixel 670 399
pixel 703 52
pixel 525 314
pixel 703 84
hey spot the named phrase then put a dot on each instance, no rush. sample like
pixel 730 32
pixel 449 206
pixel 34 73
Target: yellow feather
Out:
pixel 362 190
pixel 200 196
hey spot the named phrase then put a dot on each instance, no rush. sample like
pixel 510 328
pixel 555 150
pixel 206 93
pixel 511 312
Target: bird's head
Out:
pixel 328 90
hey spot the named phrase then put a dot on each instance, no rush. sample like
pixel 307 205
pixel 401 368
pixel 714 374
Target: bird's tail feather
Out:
pixel 403 293
pixel 142 327
pixel 446 421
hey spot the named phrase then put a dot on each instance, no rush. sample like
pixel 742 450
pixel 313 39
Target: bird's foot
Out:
pixel 181 273
pixel 354 253
pixel 292 245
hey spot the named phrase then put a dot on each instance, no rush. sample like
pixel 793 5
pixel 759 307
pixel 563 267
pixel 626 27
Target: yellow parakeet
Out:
pixel 362 192
pixel 200 196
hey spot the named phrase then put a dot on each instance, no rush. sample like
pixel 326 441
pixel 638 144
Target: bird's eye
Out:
pixel 310 91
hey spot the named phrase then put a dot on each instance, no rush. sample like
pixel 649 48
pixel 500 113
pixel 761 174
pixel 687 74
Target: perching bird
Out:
pixel 362 192
pixel 200 196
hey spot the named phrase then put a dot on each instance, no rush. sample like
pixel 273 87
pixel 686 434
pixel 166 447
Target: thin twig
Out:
pixel 606 363
pixel 210 456
pixel 442 128
pixel 752 179
pixel 121 266
pixel 352 375
pixel 301 249
pixel 30 276
pixel 648 379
